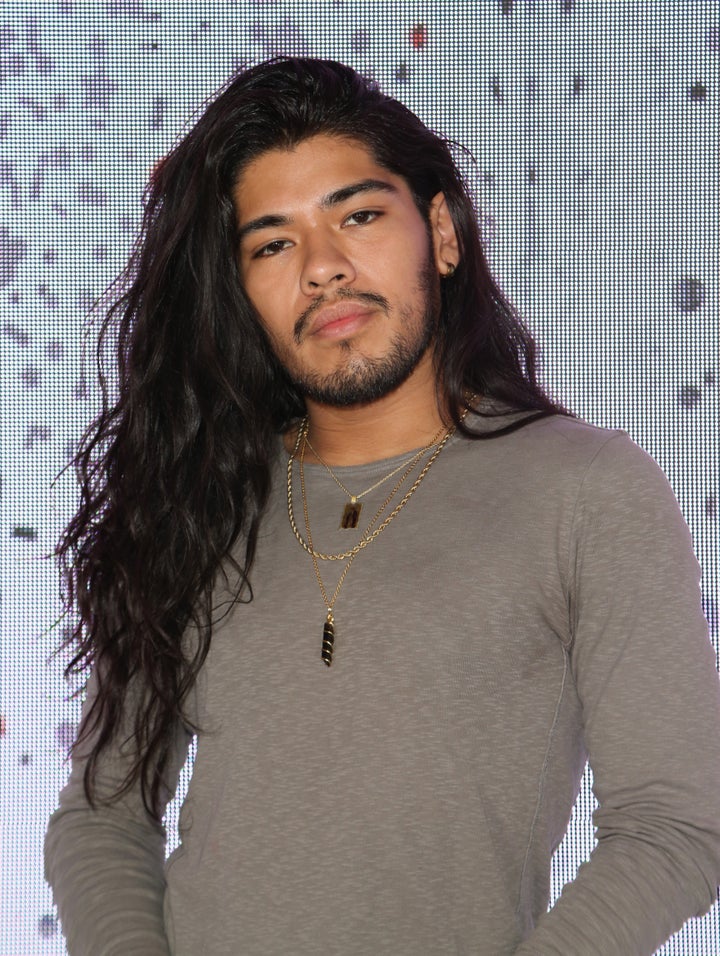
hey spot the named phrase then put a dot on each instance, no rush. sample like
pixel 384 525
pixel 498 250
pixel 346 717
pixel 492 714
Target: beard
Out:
pixel 363 379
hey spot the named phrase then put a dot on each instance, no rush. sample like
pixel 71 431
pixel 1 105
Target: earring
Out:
pixel 450 271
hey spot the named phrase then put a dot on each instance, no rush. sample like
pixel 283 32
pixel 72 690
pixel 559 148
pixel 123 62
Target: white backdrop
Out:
pixel 595 126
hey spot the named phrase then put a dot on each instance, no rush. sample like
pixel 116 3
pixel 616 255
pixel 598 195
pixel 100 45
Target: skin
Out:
pixel 344 274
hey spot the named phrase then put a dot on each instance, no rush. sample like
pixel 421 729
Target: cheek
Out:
pixel 271 288
pixel 264 298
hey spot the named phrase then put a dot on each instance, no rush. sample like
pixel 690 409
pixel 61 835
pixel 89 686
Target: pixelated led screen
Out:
pixel 595 130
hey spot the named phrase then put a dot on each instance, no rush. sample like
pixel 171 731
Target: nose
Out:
pixel 325 264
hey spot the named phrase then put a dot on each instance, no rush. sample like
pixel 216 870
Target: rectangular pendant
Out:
pixel 351 514
pixel 328 643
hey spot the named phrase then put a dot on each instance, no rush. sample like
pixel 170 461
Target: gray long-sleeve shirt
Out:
pixel 535 603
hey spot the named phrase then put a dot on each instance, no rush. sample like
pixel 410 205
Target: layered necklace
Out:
pixel 351 514
pixel 353 507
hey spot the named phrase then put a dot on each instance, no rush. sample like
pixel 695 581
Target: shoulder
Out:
pixel 568 462
pixel 561 435
pixel 615 481
pixel 570 444
pixel 558 445
pixel 601 456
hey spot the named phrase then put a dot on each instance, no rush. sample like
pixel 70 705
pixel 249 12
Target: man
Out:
pixel 333 525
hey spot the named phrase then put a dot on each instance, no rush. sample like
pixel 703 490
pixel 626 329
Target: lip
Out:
pixel 339 319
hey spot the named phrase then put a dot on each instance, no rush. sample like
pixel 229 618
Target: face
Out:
pixel 341 268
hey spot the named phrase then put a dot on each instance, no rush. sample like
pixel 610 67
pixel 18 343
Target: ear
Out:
pixel 444 239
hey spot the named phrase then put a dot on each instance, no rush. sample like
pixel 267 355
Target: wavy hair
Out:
pixel 175 471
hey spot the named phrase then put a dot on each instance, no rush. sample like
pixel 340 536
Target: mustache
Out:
pixel 367 298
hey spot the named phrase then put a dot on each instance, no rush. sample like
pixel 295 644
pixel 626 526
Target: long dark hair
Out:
pixel 175 471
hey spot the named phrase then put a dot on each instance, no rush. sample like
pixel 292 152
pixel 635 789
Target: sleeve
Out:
pixel 647 680
pixel 106 864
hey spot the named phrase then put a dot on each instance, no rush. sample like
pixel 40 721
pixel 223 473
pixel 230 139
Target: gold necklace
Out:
pixel 328 635
pixel 368 535
pixel 351 511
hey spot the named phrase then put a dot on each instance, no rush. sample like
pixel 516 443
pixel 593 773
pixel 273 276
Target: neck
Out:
pixel 405 419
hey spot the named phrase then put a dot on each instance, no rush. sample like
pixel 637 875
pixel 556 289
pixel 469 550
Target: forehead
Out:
pixel 305 174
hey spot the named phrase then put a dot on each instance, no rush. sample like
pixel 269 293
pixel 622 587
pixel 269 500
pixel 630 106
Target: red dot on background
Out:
pixel 419 36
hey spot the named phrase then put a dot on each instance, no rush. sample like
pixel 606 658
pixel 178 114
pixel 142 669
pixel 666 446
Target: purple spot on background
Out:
pixel 47 926
pixel 16 334
pixel 7 36
pixel 54 349
pixel 36 435
pixel 99 90
pixel 157 114
pixel 30 376
pixel 36 108
pixel 49 298
pixel 282 37
pixel 91 195
pixel 13 64
pixel 7 177
pixel 359 42
pixel 65 735
pixel 690 396
pixel 59 158
pixel 13 250
pixel 42 62
pixel 689 294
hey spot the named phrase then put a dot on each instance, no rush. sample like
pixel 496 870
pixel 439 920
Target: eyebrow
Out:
pixel 335 198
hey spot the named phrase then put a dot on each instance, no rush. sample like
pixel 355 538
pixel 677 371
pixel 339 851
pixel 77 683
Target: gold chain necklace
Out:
pixel 368 535
pixel 351 511
pixel 328 636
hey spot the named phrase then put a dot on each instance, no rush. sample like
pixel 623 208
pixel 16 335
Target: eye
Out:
pixel 271 249
pixel 362 217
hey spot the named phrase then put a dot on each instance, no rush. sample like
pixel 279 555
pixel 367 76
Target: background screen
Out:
pixel 594 126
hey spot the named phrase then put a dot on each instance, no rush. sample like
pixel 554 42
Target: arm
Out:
pixel 106 865
pixel 645 673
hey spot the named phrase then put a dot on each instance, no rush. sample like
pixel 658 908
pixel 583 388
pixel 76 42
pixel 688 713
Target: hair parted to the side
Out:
pixel 175 472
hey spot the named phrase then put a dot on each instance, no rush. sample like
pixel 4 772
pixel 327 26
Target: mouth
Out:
pixel 339 320
pixel 338 316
